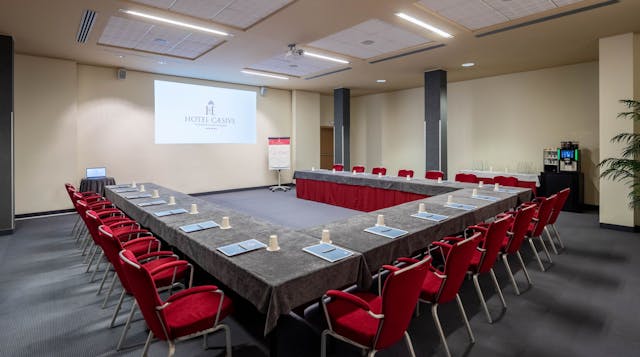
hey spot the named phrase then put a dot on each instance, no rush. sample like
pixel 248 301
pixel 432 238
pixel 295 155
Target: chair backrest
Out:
pixel 399 297
pixel 493 239
pixel 506 181
pixel 520 226
pixel 560 201
pixel 358 168
pixel 471 178
pixel 144 290
pixel 338 167
pixel 434 175
pixel 405 173
pixel 379 170
pixel 456 265
pixel 544 212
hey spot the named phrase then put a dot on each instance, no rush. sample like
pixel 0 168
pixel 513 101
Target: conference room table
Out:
pixel 278 282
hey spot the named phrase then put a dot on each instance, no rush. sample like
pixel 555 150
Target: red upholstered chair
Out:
pixel 486 254
pixel 376 322
pixel 516 233
pixel 82 206
pixel 358 168
pixel 560 201
pixel 506 181
pixel 338 167
pixel 530 185
pixel 470 178
pixel 442 286
pixel 379 170
pixel 71 190
pixel 434 175
pixel 189 313
pixel 537 225
pixel 405 173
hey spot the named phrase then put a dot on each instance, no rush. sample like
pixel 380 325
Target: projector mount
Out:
pixel 294 51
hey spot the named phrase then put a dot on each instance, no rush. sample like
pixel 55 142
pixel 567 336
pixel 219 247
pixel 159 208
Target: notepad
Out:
pixel 138 195
pixel 199 226
pixel 170 212
pixel 328 252
pixel 122 185
pixel 152 203
pixel 461 206
pixel 129 189
pixel 506 190
pixel 386 232
pixel 242 247
pixel 486 198
pixel 430 216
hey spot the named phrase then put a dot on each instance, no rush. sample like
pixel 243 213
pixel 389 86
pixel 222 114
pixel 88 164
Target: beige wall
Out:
pixel 326 110
pixel 306 130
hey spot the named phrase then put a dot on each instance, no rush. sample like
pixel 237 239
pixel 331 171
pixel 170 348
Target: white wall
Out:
pixel 306 130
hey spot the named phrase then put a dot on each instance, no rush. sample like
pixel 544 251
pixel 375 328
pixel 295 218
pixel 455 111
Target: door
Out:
pixel 326 147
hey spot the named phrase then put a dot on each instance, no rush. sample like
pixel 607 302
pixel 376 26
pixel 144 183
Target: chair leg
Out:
pixel 510 273
pixel 524 268
pixel 146 344
pixel 371 353
pixel 98 263
pixel 434 313
pixel 553 245
pixel 227 339
pixel 407 339
pixel 104 279
pixel 535 252
pixel 466 320
pixel 555 230
pixel 172 348
pixel 544 247
pixel 113 284
pixel 497 286
pixel 323 343
pixel 117 310
pixel 481 297
pixel 87 245
pixel 90 254
pixel 127 325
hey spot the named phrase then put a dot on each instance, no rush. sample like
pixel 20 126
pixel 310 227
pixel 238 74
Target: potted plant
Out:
pixel 627 168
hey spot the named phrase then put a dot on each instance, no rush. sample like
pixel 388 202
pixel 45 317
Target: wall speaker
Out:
pixel 263 91
pixel 121 74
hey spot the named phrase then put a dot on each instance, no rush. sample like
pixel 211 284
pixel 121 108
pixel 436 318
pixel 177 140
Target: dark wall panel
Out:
pixel 6 135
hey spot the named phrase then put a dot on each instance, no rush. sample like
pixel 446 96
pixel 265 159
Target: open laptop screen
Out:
pixel 93 172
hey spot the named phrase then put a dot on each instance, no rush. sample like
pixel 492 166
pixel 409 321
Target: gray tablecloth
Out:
pixel 96 184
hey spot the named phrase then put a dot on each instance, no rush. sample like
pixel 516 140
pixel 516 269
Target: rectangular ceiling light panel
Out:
pixel 370 39
pixel 295 65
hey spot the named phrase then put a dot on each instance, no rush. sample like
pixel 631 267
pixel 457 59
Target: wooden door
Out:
pixel 326 147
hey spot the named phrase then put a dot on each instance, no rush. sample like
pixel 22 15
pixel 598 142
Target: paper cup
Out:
pixel 273 243
pixel 481 184
pixel 313 168
pixel 333 170
pixel 496 187
pixel 408 178
pixel 133 184
pixel 474 193
pixel 354 172
pixel 379 174
pixel 380 221
pixel 142 188
pixel 194 209
pixel 421 208
pixel 155 194
pixel 490 168
pixel 225 223
pixel 449 199
pixel 326 236
pixel 506 169
pixel 439 179
pixel 172 201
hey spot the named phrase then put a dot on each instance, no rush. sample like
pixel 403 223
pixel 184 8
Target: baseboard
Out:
pixel 6 232
pixel 45 213
pixel 617 227
pixel 290 184
pixel 588 207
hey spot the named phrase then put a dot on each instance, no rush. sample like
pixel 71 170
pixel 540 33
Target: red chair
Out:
pixel 405 173
pixel 189 313
pixel 538 224
pixel 516 233
pixel 358 169
pixel 375 322
pixel 470 178
pixel 442 286
pixel 560 201
pixel 379 170
pixel 486 254
pixel 71 190
pixel 506 181
pixel 434 175
pixel 338 167
pixel 530 185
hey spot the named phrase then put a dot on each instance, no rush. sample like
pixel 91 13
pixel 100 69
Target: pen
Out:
pixel 329 250
pixel 386 230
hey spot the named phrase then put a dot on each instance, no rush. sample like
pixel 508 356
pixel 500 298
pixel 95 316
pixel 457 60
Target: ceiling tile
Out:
pixel 163 4
pixel 299 66
pixel 370 39
pixel 517 9
pixel 123 32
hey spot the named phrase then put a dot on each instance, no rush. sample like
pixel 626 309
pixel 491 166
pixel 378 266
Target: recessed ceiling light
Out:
pixel 424 25
pixel 307 53
pixel 162 62
pixel 468 64
pixel 120 56
pixel 368 42
pixel 174 22
pixel 381 80
pixel 254 73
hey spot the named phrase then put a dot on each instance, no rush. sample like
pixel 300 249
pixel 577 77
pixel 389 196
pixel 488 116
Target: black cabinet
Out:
pixel 553 182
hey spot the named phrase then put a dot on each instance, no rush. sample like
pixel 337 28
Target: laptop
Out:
pixel 96 172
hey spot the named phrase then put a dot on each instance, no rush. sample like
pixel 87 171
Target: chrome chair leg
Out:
pixel 227 339
pixel 92 257
pixel 510 273
pixel 104 279
pixel 524 268
pixel 407 339
pixel 544 247
pixel 535 252
pixel 98 263
pixel 127 325
pixel 557 234
pixel 146 344
pixel 172 348
pixel 481 297
pixel 112 285
pixel 466 320
pixel 553 245
pixel 434 313
pixel 323 343
pixel 497 286
pixel 117 310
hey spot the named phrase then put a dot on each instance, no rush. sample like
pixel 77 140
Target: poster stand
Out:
pixel 279 159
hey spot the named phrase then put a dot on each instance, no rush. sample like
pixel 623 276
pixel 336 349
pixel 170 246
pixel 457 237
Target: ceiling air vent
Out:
pixel 86 24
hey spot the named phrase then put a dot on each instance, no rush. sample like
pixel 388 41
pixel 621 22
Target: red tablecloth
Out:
pixel 361 198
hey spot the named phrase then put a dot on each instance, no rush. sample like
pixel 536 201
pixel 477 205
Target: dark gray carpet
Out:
pixel 583 306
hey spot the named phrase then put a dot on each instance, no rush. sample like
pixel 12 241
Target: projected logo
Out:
pixel 210 120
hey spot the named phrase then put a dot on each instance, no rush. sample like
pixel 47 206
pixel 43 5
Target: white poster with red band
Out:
pixel 279 153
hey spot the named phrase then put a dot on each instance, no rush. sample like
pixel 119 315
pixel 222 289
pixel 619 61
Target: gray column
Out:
pixel 341 125
pixel 6 135
pixel 435 118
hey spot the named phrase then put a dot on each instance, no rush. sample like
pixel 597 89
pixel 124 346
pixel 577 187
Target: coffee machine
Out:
pixel 569 156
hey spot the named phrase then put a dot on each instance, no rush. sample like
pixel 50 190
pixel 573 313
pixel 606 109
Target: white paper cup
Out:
pixel 155 194
pixel 439 179
pixel 313 168
pixel 333 170
pixel 326 236
pixel 421 208
pixel 379 174
pixel 474 193
pixel 225 223
pixel 506 169
pixel 496 187
pixel 354 172
pixel 490 168
pixel 172 201
pixel 449 199
pixel 380 221
pixel 194 209
pixel 273 243
pixel 133 184
pixel 408 178
pixel 142 188
pixel 480 183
